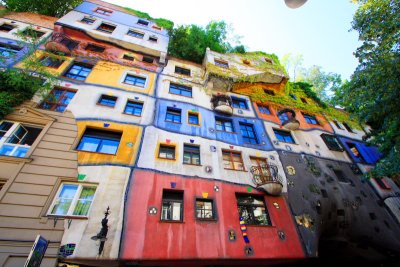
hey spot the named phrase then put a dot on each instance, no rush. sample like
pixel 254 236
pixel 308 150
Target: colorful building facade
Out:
pixel 136 157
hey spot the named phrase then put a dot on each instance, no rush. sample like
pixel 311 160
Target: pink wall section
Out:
pixel 148 238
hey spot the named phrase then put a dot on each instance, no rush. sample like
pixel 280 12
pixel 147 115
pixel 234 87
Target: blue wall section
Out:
pixel 370 154
pixel 9 62
pixel 207 125
pixel 116 16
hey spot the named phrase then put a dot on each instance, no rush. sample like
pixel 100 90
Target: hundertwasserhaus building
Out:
pixel 139 158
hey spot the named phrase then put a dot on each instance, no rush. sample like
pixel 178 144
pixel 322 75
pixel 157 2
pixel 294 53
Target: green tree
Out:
pixel 373 92
pixel 190 41
pixel 293 64
pixel 54 8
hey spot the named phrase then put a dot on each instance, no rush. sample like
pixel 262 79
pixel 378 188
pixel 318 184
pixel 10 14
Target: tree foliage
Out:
pixel 191 41
pixel 54 8
pixel 165 23
pixel 373 92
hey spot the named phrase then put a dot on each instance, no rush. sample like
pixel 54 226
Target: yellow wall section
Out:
pixel 111 74
pixel 126 154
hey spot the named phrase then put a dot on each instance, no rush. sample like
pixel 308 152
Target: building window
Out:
pixel 310 119
pixel 223 125
pixel 193 118
pixel 5 27
pixel 178 89
pixel 341 176
pixel 239 103
pixel 264 109
pixel 252 209
pixel 16 138
pixel 94 48
pixel 73 200
pixel 263 172
pixel 58 99
pixel 143 22
pixel 293 96
pixel 69 43
pixel 248 133
pixel 331 142
pixel 128 57
pixel 7 50
pixel 166 152
pixel 283 117
pixel 133 108
pixel 205 209
pixel 153 39
pixel 79 71
pixel 157 27
pixel 269 92
pixel 182 71
pixel 107 100
pixel 232 160
pixel 107 28
pixel 221 63
pixel 100 141
pixel 135 80
pixel 284 136
pixel 172 206
pixel 347 127
pixel 148 59
pixel 354 151
pixel 88 20
pixel 173 115
pixel 51 62
pixel 103 11
pixel 29 32
pixel 136 34
pixel 191 154
pixel 338 125
pixel 303 100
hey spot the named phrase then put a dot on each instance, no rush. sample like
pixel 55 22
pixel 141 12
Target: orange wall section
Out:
pixel 127 149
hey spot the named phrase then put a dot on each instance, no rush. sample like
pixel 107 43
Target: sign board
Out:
pixel 37 252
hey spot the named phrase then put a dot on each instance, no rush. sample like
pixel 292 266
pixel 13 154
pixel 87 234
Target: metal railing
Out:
pixel 265 174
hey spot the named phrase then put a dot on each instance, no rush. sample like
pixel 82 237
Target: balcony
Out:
pixel 61 43
pixel 267 178
pixel 222 103
pixel 288 119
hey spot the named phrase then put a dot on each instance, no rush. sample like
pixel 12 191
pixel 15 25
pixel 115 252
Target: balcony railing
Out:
pixel 222 103
pixel 267 178
pixel 60 42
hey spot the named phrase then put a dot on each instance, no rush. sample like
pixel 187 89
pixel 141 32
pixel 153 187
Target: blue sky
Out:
pixel 319 30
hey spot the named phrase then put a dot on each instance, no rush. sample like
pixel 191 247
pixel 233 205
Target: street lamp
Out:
pixel 295 3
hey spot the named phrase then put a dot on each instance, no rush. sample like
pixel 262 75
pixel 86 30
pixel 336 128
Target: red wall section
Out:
pixel 145 237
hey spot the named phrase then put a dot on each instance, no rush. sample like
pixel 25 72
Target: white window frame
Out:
pixel 74 200
pixel 9 134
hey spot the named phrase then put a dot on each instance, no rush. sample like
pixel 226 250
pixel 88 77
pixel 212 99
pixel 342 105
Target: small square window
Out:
pixel 264 109
pixel 136 34
pixel 79 71
pixel 103 11
pixel 341 176
pixel 248 133
pixel 293 96
pixel 284 136
pixel 156 27
pixel 205 209
pixel 148 59
pixel 135 80
pixel 193 118
pixel 354 151
pixel 338 125
pixel 178 89
pixel 29 32
pixel 58 99
pixel 94 48
pixel 172 206
pixel 347 127
pixel 269 92
pixel 69 43
pixel 143 22
pixel 303 100
pixel 5 27
pixel 232 160
pixel 310 119
pixel 182 71
pixel 128 57
pixel 166 152
pixel 223 125
pixel 107 100
pixel 173 115
pixel 88 20
pixel 153 39
pixel 100 141
pixel 268 60
pixel 331 142
pixel 239 103
pixel 191 154
pixel 252 209
pixel 134 108
pixel 107 28
pixel 221 63
pixel 283 117
pixel 51 62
